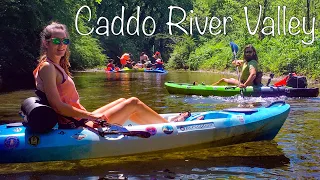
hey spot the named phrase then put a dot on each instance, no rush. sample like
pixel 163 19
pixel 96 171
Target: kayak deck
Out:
pixel 256 91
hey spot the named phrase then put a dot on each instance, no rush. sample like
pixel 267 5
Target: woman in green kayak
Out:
pixel 54 84
pixel 250 74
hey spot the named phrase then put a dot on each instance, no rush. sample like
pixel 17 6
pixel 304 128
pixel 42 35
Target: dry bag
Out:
pixel 39 117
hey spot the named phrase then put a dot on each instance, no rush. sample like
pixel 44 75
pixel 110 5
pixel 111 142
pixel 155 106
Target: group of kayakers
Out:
pixel 126 61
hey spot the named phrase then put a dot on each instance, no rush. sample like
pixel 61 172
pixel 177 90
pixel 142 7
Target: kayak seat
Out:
pixel 241 110
pixel 207 115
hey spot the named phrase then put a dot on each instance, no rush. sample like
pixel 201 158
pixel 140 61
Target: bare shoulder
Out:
pixel 47 70
pixel 47 67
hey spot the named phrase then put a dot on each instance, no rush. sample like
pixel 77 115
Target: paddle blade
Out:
pixel 234 47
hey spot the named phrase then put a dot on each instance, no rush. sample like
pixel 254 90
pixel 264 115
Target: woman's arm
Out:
pixel 48 75
pixel 237 62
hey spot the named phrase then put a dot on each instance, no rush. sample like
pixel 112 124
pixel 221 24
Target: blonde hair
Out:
pixel 44 36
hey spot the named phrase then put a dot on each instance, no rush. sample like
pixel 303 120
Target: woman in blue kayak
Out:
pixel 250 74
pixel 54 84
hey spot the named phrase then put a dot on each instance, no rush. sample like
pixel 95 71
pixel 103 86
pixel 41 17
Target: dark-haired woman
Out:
pixel 250 74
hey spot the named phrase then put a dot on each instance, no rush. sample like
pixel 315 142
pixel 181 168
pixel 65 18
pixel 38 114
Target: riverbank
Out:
pixel 265 76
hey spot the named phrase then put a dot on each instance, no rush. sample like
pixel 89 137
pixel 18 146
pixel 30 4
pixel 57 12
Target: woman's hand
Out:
pixel 94 116
pixel 242 85
pixel 92 119
pixel 237 62
pixel 92 124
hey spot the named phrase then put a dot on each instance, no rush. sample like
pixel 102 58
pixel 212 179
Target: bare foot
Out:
pixel 182 117
pixel 200 118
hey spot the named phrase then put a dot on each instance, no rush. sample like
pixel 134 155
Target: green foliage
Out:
pixel 179 57
pixel 211 55
pixel 279 54
pixel 89 53
pixel 22 22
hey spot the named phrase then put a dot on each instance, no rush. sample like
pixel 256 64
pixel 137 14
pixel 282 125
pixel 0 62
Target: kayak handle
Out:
pixel 276 102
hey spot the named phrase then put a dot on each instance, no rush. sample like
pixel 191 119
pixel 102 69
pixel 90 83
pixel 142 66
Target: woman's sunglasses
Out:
pixel 248 52
pixel 58 41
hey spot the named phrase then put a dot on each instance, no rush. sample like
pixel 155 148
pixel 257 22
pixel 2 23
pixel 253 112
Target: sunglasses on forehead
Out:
pixel 57 41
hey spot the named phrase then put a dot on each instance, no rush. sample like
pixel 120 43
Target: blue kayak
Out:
pixel 155 70
pixel 217 128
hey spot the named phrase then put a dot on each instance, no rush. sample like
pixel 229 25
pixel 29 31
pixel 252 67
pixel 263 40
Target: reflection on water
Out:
pixel 294 153
pixel 248 159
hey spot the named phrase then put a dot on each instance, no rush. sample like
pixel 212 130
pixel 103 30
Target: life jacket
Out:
pixel 110 66
pixel 124 58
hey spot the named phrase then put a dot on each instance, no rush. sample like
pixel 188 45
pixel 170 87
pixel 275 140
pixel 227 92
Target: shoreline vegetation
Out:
pixel 279 53
pixel 226 72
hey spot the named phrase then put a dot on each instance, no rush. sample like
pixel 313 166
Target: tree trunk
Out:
pixel 261 35
pixel 308 14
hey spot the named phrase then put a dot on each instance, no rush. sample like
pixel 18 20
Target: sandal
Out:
pixel 182 117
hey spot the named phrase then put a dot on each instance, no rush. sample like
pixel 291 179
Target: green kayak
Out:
pixel 128 70
pixel 256 91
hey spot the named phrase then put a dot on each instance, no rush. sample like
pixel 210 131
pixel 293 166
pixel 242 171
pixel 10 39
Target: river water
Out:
pixel 293 154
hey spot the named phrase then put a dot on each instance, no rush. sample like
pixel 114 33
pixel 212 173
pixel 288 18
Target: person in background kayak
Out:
pixel 156 56
pixel 110 66
pixel 54 83
pixel 124 59
pixel 159 64
pixel 143 59
pixel 250 74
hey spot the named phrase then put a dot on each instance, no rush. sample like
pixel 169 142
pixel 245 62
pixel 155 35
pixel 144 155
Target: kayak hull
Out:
pixel 218 128
pixel 258 91
pixel 156 71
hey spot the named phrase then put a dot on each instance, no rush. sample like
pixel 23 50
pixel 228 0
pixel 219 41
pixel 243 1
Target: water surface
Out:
pixel 293 154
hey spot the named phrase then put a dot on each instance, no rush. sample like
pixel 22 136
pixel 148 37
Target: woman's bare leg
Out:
pixel 132 109
pixel 229 81
pixel 108 106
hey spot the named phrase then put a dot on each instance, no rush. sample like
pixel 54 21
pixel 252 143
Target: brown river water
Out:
pixel 293 154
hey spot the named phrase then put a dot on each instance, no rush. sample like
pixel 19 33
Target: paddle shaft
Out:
pixel 141 134
pixel 270 78
pixel 102 133
pixel 238 73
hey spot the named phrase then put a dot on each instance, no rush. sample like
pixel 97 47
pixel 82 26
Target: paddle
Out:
pixel 234 48
pixel 117 129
